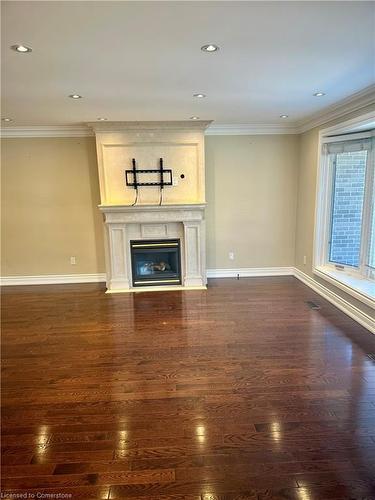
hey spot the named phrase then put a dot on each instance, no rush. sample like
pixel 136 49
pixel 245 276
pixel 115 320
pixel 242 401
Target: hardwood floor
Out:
pixel 239 392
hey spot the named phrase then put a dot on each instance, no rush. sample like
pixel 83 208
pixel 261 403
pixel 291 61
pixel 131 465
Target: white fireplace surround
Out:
pixel 181 213
pixel 125 223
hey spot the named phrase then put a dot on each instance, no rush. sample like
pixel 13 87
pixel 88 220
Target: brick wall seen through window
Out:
pixel 347 210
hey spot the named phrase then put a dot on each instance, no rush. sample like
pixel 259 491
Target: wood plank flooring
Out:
pixel 238 392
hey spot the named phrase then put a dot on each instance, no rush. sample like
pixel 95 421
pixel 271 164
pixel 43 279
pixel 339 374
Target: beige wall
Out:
pixel 260 194
pixel 50 196
pixel 50 192
pixel 251 189
pixel 307 178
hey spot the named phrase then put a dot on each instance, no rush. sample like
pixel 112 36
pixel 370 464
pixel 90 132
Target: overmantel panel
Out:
pixel 180 144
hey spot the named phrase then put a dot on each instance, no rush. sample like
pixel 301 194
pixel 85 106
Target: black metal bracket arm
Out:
pixel 132 176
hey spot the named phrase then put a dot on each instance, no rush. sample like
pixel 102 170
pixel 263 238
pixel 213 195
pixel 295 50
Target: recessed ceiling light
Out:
pixel 21 48
pixel 284 116
pixel 7 120
pixel 200 96
pixel 319 94
pixel 75 96
pixel 102 119
pixel 194 118
pixel 210 48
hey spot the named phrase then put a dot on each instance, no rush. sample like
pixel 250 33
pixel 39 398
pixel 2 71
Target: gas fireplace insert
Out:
pixel 156 262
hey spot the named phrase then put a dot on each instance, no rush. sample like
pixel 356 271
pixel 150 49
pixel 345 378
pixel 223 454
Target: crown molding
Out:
pixel 87 131
pixel 251 129
pixel 46 131
pixel 119 126
pixel 351 104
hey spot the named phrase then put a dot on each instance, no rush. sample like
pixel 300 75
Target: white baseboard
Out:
pixel 335 299
pixel 52 279
pixel 250 272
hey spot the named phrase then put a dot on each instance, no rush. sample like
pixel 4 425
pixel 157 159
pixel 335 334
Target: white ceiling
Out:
pixel 142 60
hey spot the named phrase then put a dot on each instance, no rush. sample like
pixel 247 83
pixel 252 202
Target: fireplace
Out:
pixel 155 262
pixel 154 231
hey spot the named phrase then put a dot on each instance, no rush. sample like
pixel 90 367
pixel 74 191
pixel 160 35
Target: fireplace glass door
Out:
pixel 156 262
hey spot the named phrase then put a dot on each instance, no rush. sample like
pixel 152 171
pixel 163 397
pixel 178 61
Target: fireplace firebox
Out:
pixel 156 262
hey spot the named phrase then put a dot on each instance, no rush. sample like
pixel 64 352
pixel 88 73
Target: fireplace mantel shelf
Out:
pixel 135 208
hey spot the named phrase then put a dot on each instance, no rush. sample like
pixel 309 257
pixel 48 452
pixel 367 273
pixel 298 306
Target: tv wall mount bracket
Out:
pixel 134 175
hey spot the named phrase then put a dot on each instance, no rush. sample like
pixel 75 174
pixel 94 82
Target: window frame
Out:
pixel 366 271
pixel 358 282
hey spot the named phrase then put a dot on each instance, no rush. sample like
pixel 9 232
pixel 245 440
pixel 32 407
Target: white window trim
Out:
pixel 351 283
pixel 360 288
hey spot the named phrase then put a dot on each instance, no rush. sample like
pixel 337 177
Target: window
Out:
pixel 349 176
pixel 351 228
pixel 345 229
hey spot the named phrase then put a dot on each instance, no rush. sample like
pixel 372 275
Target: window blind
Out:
pixel 349 146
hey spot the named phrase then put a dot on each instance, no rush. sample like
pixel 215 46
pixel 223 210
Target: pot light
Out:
pixel 102 119
pixel 284 116
pixel 21 48
pixel 319 94
pixel 7 120
pixel 200 96
pixel 75 96
pixel 194 118
pixel 210 48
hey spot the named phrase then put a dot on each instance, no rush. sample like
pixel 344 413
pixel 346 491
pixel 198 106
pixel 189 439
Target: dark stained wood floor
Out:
pixel 238 392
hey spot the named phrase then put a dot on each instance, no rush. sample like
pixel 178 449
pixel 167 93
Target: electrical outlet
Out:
pixel 73 261
pixel 304 260
pixel 231 255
